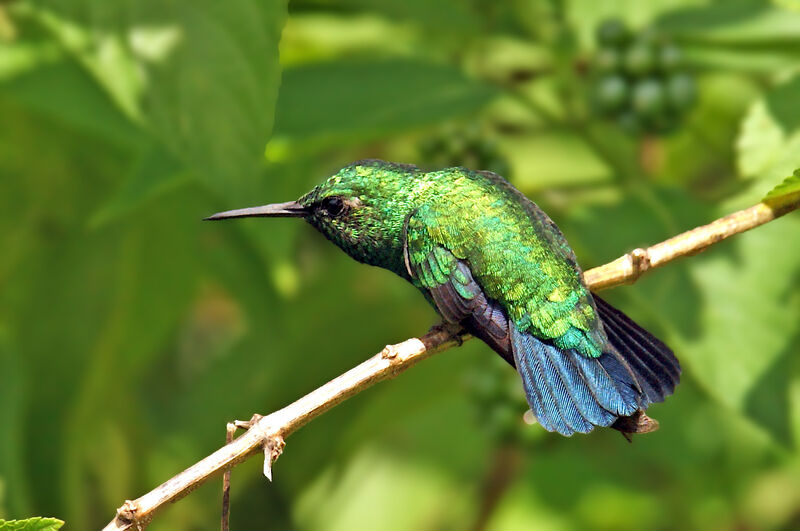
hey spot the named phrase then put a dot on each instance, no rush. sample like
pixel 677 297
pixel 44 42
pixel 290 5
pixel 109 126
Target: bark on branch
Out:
pixel 267 434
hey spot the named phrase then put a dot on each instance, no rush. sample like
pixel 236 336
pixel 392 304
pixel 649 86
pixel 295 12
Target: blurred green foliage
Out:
pixel 31 524
pixel 130 332
pixel 639 79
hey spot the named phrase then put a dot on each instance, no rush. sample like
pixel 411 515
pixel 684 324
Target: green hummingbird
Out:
pixel 491 261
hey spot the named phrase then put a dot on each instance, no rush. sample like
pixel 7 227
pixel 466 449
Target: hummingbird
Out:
pixel 492 262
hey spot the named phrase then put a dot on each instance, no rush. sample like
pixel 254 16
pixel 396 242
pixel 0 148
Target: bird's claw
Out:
pixel 454 330
pixel 636 423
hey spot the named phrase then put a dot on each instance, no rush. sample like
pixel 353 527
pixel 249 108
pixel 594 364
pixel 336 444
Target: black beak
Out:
pixel 292 209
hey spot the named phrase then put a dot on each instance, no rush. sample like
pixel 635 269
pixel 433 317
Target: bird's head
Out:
pixel 362 208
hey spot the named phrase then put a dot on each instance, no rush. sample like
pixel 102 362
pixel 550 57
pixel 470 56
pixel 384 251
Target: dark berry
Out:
pixel 611 93
pixel 681 90
pixel 608 60
pixel 648 97
pixel 640 59
pixel 669 58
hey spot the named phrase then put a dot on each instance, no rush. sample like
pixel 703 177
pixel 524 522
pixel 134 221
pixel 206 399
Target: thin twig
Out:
pixel 226 482
pixel 629 267
pixel 268 433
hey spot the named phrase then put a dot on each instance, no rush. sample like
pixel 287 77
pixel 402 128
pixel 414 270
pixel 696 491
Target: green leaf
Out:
pixel 20 57
pixel 748 323
pixel 102 53
pixel 747 36
pixel 732 314
pixel 155 173
pixel 789 186
pixel 201 76
pixel 147 298
pixel 310 37
pixel 80 103
pixel 339 102
pixel 31 524
pixel 585 15
pixel 546 160
pixel 360 496
pixel 703 146
pixel 444 15
pixel 135 280
pixel 756 59
pixel 769 142
pixel 734 23
pixel 12 408
pixel 212 98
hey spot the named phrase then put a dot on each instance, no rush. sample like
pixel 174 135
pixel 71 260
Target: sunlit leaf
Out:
pixel 202 77
pixel 310 37
pixel 337 502
pixel 104 54
pixel 212 98
pixel 789 186
pixel 769 142
pixel 80 103
pixel 31 524
pixel 542 161
pixel 748 319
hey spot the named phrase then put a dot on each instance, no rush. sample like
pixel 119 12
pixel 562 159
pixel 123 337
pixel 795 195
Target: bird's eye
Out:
pixel 334 206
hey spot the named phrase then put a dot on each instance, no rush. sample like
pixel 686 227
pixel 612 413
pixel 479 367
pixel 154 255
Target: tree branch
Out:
pixel 267 434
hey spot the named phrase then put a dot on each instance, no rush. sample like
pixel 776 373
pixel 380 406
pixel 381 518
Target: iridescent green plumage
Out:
pixel 488 259
pixel 515 252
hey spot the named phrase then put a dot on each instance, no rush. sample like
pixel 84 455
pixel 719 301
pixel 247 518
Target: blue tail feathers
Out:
pixel 571 393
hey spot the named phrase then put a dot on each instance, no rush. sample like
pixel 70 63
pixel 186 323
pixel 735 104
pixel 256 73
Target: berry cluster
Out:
pixel 465 146
pixel 640 80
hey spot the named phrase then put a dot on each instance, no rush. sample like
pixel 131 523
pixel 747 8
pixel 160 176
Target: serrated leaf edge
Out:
pixel 789 186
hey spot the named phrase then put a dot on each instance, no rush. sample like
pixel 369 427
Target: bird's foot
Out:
pixel 454 330
pixel 636 423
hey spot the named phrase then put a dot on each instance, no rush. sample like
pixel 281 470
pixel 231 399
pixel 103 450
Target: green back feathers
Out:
pixel 514 251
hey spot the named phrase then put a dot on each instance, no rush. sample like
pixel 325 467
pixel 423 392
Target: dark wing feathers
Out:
pixel 460 300
pixel 567 391
pixel 657 367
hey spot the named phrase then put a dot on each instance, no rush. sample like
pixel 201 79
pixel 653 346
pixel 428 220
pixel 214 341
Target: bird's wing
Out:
pixel 567 391
pixel 454 292
pixel 520 261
